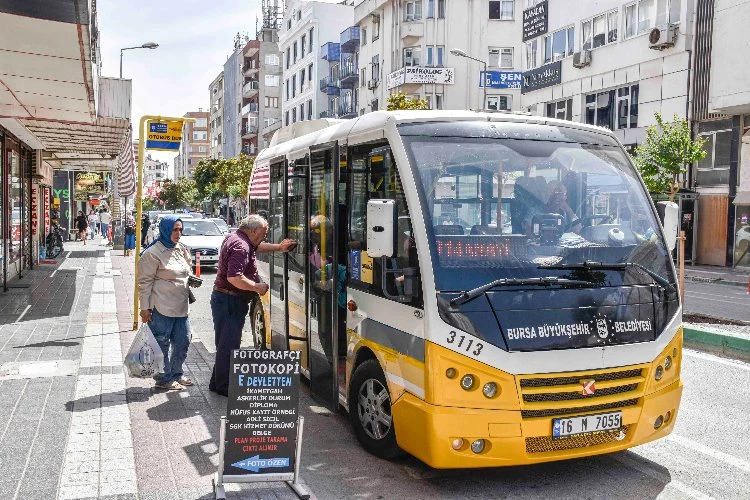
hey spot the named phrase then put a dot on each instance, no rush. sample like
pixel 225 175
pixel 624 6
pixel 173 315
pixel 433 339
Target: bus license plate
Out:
pixel 565 427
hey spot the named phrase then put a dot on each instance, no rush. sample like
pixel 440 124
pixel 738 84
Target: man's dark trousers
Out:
pixel 229 313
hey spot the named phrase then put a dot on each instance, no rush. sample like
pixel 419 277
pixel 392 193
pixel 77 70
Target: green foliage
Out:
pixel 180 194
pixel 666 154
pixel 221 178
pixel 400 100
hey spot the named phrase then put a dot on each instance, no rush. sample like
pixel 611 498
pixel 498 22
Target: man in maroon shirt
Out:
pixel 236 284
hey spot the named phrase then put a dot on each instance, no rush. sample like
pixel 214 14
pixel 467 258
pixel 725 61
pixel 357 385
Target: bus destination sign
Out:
pixel 262 411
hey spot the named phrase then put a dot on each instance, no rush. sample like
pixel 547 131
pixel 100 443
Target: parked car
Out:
pixel 204 236
pixel 222 224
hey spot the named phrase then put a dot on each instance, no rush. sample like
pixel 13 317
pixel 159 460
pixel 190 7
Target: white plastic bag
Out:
pixel 144 359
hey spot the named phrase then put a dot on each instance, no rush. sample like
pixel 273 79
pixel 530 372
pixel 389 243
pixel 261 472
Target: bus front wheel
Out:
pixel 370 410
pixel 258 324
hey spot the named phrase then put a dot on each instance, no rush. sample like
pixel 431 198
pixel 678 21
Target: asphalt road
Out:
pixel 717 301
pixel 707 456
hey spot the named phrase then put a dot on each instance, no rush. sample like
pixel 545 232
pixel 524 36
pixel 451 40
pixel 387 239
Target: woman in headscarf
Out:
pixel 163 271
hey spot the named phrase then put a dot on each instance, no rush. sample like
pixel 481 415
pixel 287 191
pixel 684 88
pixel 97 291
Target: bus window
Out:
pixel 374 176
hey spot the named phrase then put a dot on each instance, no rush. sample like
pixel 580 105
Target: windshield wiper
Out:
pixel 658 279
pixel 551 280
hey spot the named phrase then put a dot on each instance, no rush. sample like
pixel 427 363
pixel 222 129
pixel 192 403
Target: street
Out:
pixel 708 447
pixel 717 301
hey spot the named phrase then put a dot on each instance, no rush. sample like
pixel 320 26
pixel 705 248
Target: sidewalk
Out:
pixel 737 276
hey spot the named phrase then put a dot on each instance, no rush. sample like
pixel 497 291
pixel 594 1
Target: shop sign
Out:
pixel 419 75
pixel 539 78
pixel 88 184
pixel 46 209
pixel 535 21
pixel 164 136
pixel 34 210
pixel 262 412
pixel 501 79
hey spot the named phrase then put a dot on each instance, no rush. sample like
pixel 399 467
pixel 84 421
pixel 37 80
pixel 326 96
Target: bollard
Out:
pixel 198 264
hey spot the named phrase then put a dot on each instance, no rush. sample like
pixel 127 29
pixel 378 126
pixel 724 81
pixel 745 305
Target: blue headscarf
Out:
pixel 166 225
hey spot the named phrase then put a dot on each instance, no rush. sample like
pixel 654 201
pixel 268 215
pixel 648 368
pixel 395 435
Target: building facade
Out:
pixel 306 27
pixel 341 86
pixel 153 171
pixel 216 116
pixel 406 47
pixel 194 145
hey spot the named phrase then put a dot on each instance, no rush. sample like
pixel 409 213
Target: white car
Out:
pixel 222 225
pixel 204 236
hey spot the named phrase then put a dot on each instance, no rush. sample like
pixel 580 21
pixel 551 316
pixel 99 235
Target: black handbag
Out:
pixel 191 297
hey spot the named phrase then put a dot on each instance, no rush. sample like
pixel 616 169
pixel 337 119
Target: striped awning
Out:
pixel 126 166
pixel 259 187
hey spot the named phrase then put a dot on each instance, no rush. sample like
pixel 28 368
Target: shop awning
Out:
pixel 742 198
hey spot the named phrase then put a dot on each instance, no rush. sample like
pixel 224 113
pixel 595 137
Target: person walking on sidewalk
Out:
pixel 145 224
pixel 237 283
pixel 105 218
pixel 93 223
pixel 130 234
pixel 163 271
pixel 82 224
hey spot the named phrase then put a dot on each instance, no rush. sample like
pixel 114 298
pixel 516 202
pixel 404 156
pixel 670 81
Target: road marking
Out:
pixel 739 295
pixel 716 359
pixel 23 313
pixel 661 477
pixel 53 273
pixel 707 272
pixel 719 298
pixel 738 463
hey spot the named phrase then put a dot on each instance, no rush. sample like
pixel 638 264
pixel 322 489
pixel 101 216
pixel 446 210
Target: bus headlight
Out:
pixel 490 389
pixel 477 446
pixel 659 373
pixel 668 363
pixel 467 382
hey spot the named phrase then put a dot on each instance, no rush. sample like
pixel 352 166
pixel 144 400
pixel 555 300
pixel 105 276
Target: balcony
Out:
pixel 249 131
pixel 349 39
pixel 250 68
pixel 327 114
pixel 330 52
pixel 271 127
pixel 349 75
pixel 329 85
pixel 412 29
pixel 347 111
pixel 249 108
pixel 249 150
pixel 250 89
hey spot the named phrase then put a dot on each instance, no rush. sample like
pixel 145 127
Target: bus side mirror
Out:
pixel 381 228
pixel 669 213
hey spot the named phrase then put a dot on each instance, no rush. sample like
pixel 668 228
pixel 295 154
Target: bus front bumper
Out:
pixel 429 432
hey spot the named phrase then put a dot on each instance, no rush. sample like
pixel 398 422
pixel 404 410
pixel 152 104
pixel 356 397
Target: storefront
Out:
pixel 741 201
pixel 15 200
pixel 41 194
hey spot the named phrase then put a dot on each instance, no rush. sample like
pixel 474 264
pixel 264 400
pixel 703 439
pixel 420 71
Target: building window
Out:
pixel 500 58
pixel 294 115
pixel 286 118
pixel 376 67
pixel 302 80
pixel 201 123
pixel 299 15
pixel 362 77
pixel 501 10
pixel 562 110
pixel 288 57
pixel 199 136
pixel 412 56
pixel 375 28
pixel 613 109
pixel 294 86
pixel 531 49
pixel 363 39
pixel 289 24
pixel 294 51
pixel 641 16
pixel 309 109
pixel 413 10
pixel 272 102
pixel 302 112
pixel 310 72
pixel 272 80
pixel 272 60
pixel 201 149
pixel 435 56
pixel 434 102
pixel 430 9
pixel 441 12
pixel 303 45
pixel 286 87
pixel 374 104
pixel 311 37
pixel 599 31
pixel 499 102
pixel 559 45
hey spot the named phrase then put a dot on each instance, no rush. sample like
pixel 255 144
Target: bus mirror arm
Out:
pixel 410 282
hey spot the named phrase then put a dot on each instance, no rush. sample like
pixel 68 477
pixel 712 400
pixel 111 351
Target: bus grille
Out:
pixel 562 394
pixel 544 444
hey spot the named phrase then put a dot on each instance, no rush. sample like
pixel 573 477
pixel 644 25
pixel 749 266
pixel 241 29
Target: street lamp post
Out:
pixel 147 45
pixel 461 53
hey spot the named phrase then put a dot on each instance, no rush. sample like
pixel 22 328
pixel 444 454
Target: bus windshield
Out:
pixel 500 208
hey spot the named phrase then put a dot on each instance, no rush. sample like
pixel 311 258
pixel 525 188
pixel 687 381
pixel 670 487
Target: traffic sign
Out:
pixel 164 136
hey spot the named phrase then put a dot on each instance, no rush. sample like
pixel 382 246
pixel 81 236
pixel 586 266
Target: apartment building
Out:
pixel 216 116
pixel 153 171
pixel 306 28
pixel 195 143
pixel 341 86
pixel 405 46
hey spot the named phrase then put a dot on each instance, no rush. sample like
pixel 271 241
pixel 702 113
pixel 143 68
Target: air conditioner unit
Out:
pixel 372 84
pixel 662 37
pixel 582 59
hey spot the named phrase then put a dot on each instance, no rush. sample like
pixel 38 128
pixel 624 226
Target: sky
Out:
pixel 195 38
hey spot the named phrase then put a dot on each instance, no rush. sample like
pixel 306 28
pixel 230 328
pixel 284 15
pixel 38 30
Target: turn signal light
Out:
pixel 467 382
pixel 489 390
pixel 659 372
pixel 351 305
pixel 659 420
pixel 477 446
pixel 457 443
pixel 668 363
pixel 451 373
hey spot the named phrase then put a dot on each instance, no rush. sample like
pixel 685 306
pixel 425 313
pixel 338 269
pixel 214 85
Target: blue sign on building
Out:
pixel 501 79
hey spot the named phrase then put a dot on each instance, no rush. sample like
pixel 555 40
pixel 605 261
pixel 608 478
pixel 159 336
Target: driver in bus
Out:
pixel 557 203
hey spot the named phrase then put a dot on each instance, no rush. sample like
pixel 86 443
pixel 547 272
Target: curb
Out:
pixel 716 281
pixel 717 342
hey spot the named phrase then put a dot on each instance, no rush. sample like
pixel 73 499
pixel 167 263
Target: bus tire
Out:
pixel 370 411
pixel 258 324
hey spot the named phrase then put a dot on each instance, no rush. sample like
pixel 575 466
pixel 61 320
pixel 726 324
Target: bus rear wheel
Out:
pixel 370 410
pixel 258 324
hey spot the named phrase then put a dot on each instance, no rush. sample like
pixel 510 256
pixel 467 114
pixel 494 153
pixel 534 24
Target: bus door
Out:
pixel 277 271
pixel 323 276
pixel 297 258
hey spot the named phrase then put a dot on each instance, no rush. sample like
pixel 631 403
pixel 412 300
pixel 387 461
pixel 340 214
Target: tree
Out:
pixel 223 178
pixel 400 100
pixel 180 194
pixel 666 154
